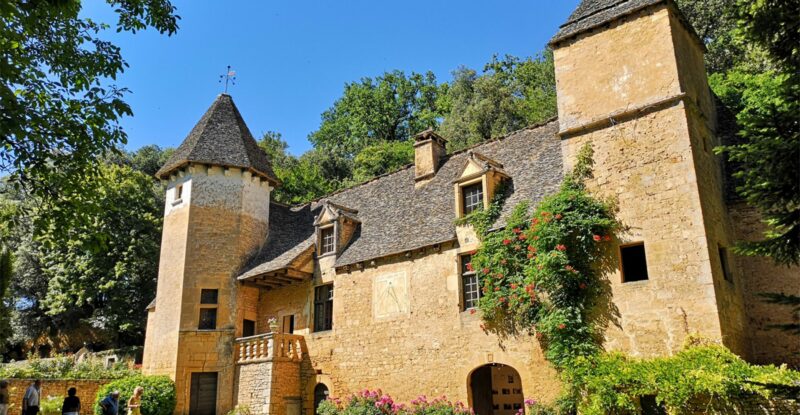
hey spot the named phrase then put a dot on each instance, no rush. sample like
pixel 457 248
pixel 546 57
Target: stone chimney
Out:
pixel 429 148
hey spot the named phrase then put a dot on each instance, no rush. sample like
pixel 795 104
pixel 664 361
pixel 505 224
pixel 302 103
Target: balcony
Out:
pixel 269 347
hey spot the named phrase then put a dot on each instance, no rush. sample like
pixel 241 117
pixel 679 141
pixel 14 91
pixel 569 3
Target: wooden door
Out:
pixel 203 396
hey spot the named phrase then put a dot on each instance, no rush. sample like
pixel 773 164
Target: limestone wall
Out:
pixel 430 347
pixel 87 391
pixel 760 275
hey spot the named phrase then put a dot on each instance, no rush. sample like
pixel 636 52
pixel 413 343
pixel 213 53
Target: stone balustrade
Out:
pixel 269 347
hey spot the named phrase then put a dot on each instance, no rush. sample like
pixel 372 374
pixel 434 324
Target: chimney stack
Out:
pixel 429 148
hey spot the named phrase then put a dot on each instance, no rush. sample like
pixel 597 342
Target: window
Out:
pixel 209 296
pixel 634 263
pixel 472 198
pixel 179 192
pixel 208 319
pixel 323 307
pixel 248 328
pixel 326 238
pixel 723 260
pixel 469 284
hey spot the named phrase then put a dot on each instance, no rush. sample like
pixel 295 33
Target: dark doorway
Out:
pixel 248 328
pixel 496 389
pixel 203 396
pixel 320 394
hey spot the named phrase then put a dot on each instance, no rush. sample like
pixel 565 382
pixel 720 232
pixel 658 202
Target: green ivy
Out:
pixel 539 273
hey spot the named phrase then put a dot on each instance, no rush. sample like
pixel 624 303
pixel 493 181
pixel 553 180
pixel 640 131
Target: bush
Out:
pixel 158 397
pixel 51 405
pixel 376 403
pixel 64 368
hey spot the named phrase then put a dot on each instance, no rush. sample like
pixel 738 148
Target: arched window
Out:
pixel 320 394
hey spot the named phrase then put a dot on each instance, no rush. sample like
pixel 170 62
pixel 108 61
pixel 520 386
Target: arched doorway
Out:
pixel 495 389
pixel 320 394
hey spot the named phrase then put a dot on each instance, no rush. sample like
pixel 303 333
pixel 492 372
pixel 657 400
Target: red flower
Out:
pixel 506 241
pixel 561 326
pixel 531 255
pixel 513 286
pixel 502 299
pixel 582 286
pixel 496 289
pixel 498 275
pixel 561 247
pixel 516 230
pixel 522 237
pixel 472 311
pixel 485 270
pixel 607 238
pixel 538 335
pixel 473 252
pixel 545 213
pixel 531 248
pixel 469 266
pixel 535 221
pixel 597 238
pixel 529 287
pixel 558 216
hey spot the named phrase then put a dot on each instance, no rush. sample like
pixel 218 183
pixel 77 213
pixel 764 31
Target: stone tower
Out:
pixel 631 81
pixel 217 208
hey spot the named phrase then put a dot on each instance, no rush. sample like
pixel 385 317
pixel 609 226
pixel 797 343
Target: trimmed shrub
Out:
pixel 51 405
pixel 158 397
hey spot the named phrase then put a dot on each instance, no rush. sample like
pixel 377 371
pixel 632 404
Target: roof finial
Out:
pixel 229 77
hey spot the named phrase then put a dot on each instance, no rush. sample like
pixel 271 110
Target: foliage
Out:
pixel 542 273
pixel 158 398
pixel 381 158
pixel 376 403
pixel 303 178
pixel 60 106
pixel 92 282
pixel 63 368
pixel 6 271
pixel 51 405
pixel 773 25
pixel 510 94
pixel 391 107
pixel 613 382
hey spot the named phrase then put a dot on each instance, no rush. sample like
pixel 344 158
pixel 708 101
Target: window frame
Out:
pixel 322 243
pixel 209 291
pixel 323 308
pixel 622 264
pixel 200 318
pixel 464 273
pixel 463 197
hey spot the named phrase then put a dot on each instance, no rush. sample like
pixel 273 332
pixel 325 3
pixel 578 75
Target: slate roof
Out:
pixel 396 216
pixel 221 138
pixel 592 13
pixel 291 233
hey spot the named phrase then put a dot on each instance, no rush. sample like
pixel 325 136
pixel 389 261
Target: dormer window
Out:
pixel 472 197
pixel 327 240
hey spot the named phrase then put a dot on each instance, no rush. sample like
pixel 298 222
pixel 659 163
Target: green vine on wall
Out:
pixel 543 274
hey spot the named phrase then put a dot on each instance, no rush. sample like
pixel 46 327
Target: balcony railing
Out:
pixel 269 347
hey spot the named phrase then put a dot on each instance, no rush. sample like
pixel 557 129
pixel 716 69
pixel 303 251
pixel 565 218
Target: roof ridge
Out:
pixel 586 16
pixel 445 158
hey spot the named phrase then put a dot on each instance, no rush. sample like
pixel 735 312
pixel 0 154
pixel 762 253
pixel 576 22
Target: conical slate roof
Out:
pixel 221 138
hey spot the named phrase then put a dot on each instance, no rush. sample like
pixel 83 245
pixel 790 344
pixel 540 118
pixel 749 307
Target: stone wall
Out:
pixel 87 391
pixel 760 275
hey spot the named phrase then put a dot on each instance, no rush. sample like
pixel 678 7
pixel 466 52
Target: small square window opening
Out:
pixel 634 263
pixel 208 319
pixel 209 296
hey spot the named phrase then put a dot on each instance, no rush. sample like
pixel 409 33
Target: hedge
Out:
pixel 158 397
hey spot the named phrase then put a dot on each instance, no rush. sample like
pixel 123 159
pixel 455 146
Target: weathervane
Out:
pixel 229 77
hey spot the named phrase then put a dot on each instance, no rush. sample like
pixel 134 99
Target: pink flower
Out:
pixel 517 230
pixel 562 326
pixel 522 237
pixel 607 238
pixel 558 216
pixel 561 247
pixel 597 238
pixel 469 266
pixel 569 268
pixel 513 286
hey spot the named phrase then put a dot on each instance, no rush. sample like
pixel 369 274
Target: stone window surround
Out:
pixel 207 306
pixel 461 274
pixel 335 227
pixel 460 193
pixel 314 329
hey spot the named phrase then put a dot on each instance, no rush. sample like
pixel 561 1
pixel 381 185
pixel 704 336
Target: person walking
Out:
pixel 4 397
pixel 135 402
pixel 31 399
pixel 72 404
pixel 110 405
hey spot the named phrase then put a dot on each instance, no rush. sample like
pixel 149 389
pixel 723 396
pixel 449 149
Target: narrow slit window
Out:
pixel 327 240
pixel 179 192
pixel 472 198
pixel 634 263
pixel 723 260
pixel 469 284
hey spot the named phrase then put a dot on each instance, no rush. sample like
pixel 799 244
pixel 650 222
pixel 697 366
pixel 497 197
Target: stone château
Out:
pixel 276 307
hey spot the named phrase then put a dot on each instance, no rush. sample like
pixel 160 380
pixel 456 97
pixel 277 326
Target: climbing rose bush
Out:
pixel 374 402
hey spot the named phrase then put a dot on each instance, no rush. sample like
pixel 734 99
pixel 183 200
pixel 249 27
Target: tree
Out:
pixel 511 93
pixel 60 108
pixel 304 178
pixel 391 107
pixel 381 158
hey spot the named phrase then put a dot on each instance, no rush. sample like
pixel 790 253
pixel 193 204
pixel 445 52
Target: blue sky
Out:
pixel 292 58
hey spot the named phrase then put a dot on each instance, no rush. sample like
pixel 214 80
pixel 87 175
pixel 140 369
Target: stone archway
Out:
pixel 320 394
pixel 495 389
